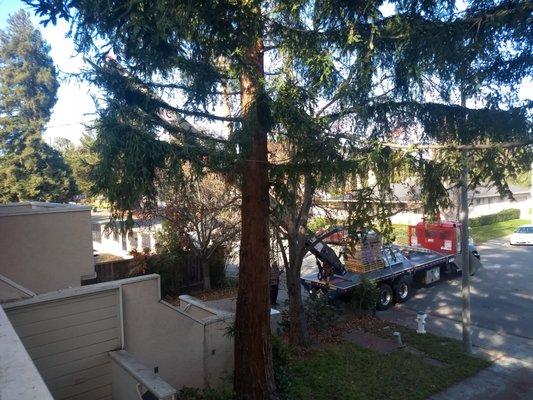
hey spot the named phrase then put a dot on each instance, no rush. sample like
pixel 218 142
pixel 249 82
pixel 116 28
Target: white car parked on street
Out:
pixel 523 235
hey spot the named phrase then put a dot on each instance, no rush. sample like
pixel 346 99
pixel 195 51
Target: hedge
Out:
pixel 505 215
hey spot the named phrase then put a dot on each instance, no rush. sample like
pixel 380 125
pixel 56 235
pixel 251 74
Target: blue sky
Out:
pixel 75 105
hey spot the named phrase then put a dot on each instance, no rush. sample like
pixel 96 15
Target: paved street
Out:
pixel 502 316
pixel 501 294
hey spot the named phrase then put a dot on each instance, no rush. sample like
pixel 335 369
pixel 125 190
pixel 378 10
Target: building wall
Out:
pixel 9 292
pixel 493 205
pixel 187 351
pixel 68 339
pixel 69 334
pixel 46 251
pixel 480 205
pixel 131 379
pixel 19 379
pixel 124 385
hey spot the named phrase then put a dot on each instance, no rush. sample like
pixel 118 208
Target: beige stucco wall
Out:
pixel 46 251
pixel 69 333
pixel 9 293
pixel 187 351
pixel 124 385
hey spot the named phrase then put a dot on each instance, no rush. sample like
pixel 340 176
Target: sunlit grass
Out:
pixel 483 233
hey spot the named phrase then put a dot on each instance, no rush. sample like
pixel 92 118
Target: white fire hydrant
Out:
pixel 421 321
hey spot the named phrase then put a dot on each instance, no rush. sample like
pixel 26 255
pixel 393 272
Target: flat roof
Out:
pixel 38 207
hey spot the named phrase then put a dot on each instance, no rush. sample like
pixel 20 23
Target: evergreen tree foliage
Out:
pixel 29 168
pixel 334 80
pixel 82 160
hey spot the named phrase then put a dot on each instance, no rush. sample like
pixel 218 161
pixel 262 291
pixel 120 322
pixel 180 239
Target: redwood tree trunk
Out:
pixel 254 375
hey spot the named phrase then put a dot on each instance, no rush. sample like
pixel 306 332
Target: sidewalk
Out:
pixel 511 375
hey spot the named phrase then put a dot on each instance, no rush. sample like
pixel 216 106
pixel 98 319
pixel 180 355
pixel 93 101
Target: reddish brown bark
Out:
pixel 254 376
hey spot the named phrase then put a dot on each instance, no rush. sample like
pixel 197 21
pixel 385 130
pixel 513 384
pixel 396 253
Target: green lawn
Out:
pixel 480 234
pixel 400 231
pixel 346 371
pixel 483 233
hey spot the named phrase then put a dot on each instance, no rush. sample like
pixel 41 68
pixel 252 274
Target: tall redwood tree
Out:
pixel 363 71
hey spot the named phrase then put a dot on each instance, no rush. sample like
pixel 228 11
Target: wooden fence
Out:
pixel 112 270
pixel 182 276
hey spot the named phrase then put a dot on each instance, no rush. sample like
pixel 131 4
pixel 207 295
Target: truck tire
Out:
pixel 385 297
pixel 402 289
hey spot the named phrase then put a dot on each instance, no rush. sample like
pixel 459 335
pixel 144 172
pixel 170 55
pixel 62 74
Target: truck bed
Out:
pixel 418 259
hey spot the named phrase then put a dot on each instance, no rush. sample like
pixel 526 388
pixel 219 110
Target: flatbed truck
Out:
pixel 404 266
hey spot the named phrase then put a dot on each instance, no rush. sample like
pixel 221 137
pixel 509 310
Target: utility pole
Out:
pixel 531 194
pixel 465 251
pixel 465 256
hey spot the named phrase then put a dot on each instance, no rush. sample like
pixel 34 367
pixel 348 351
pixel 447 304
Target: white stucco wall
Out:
pixel 46 249
pixel 497 206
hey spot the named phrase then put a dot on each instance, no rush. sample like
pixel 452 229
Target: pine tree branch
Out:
pixel 188 88
pixel 481 146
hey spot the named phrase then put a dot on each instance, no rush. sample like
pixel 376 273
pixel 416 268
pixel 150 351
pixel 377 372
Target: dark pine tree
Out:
pixel 29 168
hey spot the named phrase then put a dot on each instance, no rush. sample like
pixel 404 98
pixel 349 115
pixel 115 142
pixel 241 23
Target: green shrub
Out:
pixel 505 215
pixel 280 358
pixel 320 313
pixel 365 296
pixel 231 282
pixel 317 223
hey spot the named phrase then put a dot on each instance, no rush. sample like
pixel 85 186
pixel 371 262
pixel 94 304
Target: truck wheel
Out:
pixel 402 290
pixel 385 297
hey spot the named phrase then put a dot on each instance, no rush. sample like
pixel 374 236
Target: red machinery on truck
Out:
pixel 441 236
